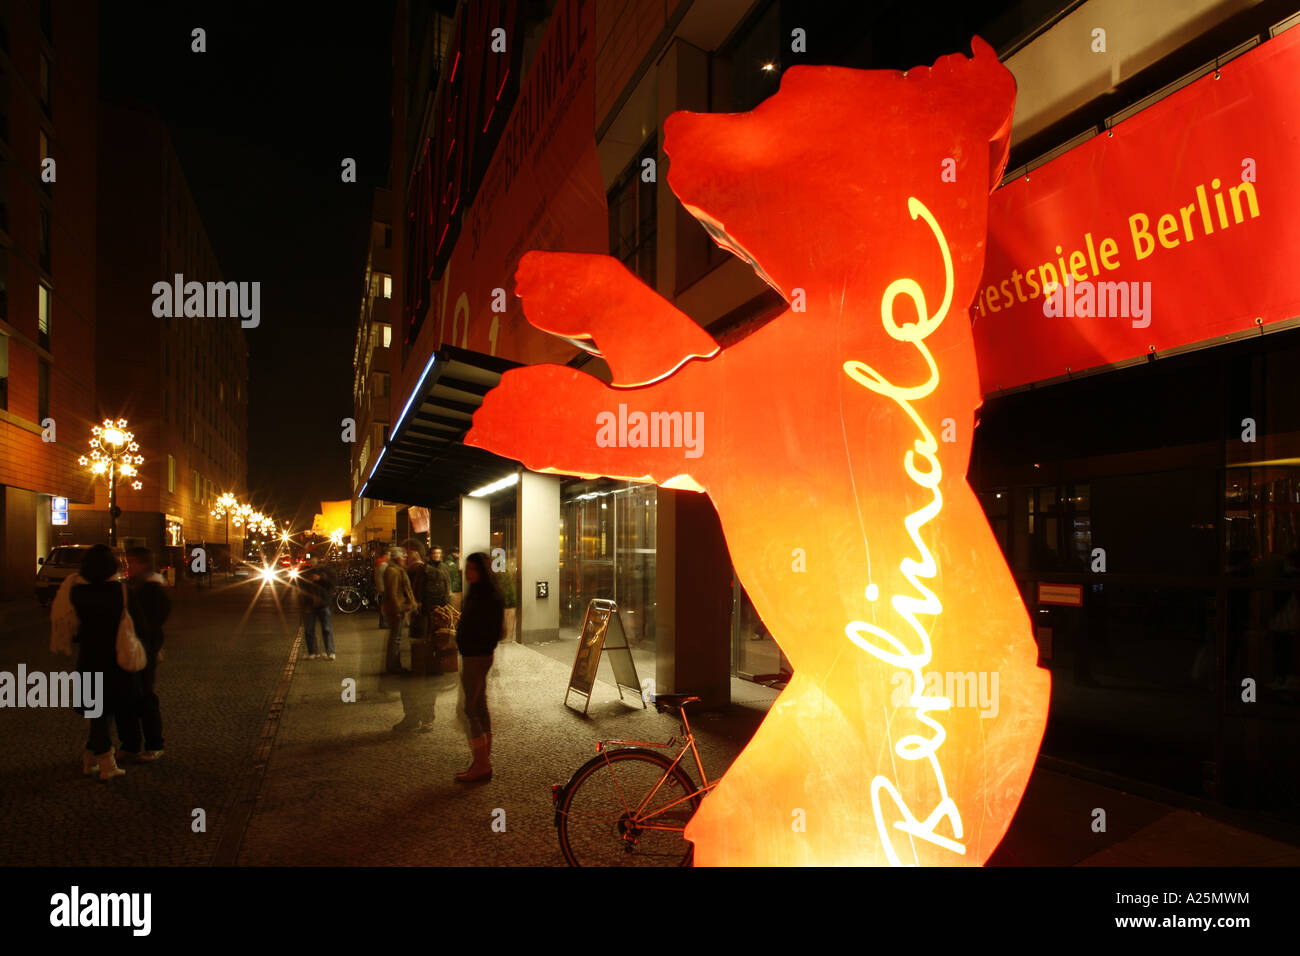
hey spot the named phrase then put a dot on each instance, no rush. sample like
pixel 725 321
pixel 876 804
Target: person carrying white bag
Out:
pixel 95 612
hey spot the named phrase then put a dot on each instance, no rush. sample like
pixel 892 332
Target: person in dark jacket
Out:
pixel 145 586
pixel 316 586
pixel 438 592
pixel 417 571
pixel 451 564
pixel 477 635
pixel 419 699
pixel 98 604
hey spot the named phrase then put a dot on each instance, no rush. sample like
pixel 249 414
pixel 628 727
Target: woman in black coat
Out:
pixel 98 604
pixel 477 634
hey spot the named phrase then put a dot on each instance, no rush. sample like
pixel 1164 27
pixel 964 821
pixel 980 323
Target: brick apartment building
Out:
pixel 48 103
pixel 373 520
pixel 181 382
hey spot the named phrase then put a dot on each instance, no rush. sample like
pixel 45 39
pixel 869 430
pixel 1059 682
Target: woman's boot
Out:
pixel 108 768
pixel 88 763
pixel 481 768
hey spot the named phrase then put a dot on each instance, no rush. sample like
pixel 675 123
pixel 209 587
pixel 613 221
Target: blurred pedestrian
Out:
pixel 98 602
pixel 398 602
pixel 451 564
pixel 418 694
pixel 144 721
pixel 316 585
pixel 381 562
pixel 477 634
pixel 439 582
pixel 417 572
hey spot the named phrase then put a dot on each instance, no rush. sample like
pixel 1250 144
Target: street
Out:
pixel 341 786
pixel 286 773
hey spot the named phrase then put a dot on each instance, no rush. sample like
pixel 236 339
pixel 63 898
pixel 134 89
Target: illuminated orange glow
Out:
pixel 834 443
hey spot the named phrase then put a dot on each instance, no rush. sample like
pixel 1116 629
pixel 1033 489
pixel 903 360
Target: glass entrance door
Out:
pixel 607 550
pixel 755 654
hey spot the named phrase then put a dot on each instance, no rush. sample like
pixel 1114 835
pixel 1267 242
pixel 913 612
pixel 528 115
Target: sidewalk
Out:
pixel 1053 827
pixel 222 660
pixel 21 615
pixel 375 797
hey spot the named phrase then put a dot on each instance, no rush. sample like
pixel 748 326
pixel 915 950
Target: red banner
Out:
pixel 1181 227
pixel 542 190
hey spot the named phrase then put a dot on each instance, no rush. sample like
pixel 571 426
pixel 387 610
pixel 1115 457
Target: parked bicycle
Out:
pixel 629 805
pixel 350 599
pixel 355 591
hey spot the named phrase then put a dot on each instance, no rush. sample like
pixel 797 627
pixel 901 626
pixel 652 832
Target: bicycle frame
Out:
pixel 687 744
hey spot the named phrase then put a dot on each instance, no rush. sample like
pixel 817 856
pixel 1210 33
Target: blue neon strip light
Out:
pixel 419 390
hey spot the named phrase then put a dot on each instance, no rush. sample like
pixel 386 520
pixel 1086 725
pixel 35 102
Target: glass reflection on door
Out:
pixel 756 655
pixel 634 558
pixel 607 550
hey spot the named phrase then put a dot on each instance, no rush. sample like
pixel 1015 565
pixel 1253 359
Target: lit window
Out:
pixel 388 287
pixel 388 336
pixel 171 474
pixel 43 315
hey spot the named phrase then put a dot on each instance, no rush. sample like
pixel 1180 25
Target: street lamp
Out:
pixel 243 516
pixel 259 525
pixel 226 506
pixel 113 452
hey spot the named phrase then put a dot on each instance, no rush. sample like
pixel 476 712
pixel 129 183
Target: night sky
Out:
pixel 262 122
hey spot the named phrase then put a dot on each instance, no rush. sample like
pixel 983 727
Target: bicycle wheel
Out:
pixel 607 816
pixel 347 600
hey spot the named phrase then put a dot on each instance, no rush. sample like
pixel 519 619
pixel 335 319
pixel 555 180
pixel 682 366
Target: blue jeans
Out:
pixel 309 619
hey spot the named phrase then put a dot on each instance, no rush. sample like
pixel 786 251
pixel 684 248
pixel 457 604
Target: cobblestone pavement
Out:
pixel 340 787
pixel 344 788
pixel 214 687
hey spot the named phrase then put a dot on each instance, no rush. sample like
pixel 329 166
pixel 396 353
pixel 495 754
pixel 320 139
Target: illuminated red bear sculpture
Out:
pixel 834 446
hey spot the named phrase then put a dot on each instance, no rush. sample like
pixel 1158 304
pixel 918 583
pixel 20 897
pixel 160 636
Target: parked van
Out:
pixel 65 560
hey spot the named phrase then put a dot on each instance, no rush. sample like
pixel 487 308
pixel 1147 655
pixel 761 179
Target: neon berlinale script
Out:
pixel 833 442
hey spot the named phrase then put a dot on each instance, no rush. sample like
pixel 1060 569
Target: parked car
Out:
pixel 62 561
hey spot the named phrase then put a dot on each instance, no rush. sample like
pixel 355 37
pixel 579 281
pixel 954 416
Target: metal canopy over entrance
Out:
pixel 425 461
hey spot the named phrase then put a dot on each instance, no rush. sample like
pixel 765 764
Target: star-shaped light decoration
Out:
pixel 113 448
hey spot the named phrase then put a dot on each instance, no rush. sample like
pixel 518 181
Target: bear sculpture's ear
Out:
pixel 993 105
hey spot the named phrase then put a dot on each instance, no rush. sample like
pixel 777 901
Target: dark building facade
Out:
pixel 373 521
pixel 48 305
pixel 180 381
pixel 1147 658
